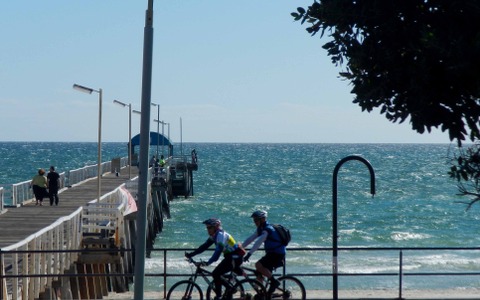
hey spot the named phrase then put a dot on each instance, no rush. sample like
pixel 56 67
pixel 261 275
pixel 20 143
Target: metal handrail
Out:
pixel 1 199
pixel 164 274
pixel 400 273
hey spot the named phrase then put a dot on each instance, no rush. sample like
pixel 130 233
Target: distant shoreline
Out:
pixel 254 143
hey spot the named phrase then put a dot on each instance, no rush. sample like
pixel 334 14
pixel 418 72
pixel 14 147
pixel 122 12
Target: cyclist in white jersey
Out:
pixel 224 243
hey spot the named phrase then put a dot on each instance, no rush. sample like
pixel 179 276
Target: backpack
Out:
pixel 283 233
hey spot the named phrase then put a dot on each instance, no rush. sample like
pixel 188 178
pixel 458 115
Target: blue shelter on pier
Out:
pixel 156 139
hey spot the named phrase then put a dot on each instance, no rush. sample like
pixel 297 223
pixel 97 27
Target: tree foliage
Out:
pixel 465 168
pixel 416 60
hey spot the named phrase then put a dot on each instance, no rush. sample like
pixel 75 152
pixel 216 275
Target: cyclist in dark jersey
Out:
pixel 274 250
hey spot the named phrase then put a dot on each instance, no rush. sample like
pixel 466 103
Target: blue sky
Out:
pixel 234 71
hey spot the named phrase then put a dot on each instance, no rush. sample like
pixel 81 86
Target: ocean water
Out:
pixel 415 205
pixel 21 160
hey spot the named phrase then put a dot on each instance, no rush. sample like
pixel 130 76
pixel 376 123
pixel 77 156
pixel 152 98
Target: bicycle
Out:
pixel 235 289
pixel 290 287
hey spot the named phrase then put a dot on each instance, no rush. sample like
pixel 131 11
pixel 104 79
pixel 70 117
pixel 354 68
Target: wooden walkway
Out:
pixel 19 223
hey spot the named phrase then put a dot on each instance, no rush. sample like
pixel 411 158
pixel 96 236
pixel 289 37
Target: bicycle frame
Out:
pixel 206 275
pixel 250 272
pixel 230 281
pixel 200 272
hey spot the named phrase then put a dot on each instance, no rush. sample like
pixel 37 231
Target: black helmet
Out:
pixel 212 222
pixel 258 214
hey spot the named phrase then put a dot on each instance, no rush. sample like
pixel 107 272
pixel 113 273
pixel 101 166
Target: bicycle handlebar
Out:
pixel 202 263
pixel 196 263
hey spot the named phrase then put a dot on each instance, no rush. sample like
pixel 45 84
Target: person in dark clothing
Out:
pixel 53 184
pixel 152 161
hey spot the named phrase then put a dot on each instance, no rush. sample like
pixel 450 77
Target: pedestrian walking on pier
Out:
pixel 53 185
pixel 39 186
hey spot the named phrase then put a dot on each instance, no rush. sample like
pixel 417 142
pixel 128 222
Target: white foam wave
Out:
pixel 405 236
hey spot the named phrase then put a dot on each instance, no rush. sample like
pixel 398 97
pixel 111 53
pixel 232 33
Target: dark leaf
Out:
pixel 301 10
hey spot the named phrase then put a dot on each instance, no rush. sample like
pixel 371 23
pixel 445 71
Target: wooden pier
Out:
pixel 84 247
pixel 55 252
pixel 19 223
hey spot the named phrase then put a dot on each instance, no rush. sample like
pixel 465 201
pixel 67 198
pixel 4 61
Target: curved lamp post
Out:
pixel 335 211
pixel 88 90
pixel 129 135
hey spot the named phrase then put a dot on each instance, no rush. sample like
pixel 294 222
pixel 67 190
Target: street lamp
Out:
pixel 158 117
pixel 88 90
pixel 139 272
pixel 163 123
pixel 129 135
pixel 138 113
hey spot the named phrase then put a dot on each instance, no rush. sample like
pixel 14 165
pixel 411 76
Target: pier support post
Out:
pixel 74 282
pixel 63 289
pixel 48 294
pixel 92 291
pixel 102 269
pixel 83 282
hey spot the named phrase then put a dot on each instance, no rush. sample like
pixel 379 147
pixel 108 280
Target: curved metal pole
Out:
pixel 335 212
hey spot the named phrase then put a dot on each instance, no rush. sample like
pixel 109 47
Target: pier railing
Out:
pixel 16 259
pixel 169 260
pixel 32 264
pixel 78 175
pixel 29 267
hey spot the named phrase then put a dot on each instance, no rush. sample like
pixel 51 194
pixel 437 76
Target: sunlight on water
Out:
pixel 414 204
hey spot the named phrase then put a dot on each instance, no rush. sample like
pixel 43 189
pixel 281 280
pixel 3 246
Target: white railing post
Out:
pixel 3 280
pixel 42 261
pixel 26 270
pixel 14 195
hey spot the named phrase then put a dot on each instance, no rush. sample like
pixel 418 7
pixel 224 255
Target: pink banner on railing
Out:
pixel 131 204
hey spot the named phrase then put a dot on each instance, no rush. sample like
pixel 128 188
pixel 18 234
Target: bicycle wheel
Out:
pixel 247 289
pixel 290 288
pixel 185 290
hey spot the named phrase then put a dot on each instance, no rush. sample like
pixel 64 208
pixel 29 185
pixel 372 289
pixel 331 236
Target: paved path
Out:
pixel 457 294
pixel 18 223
